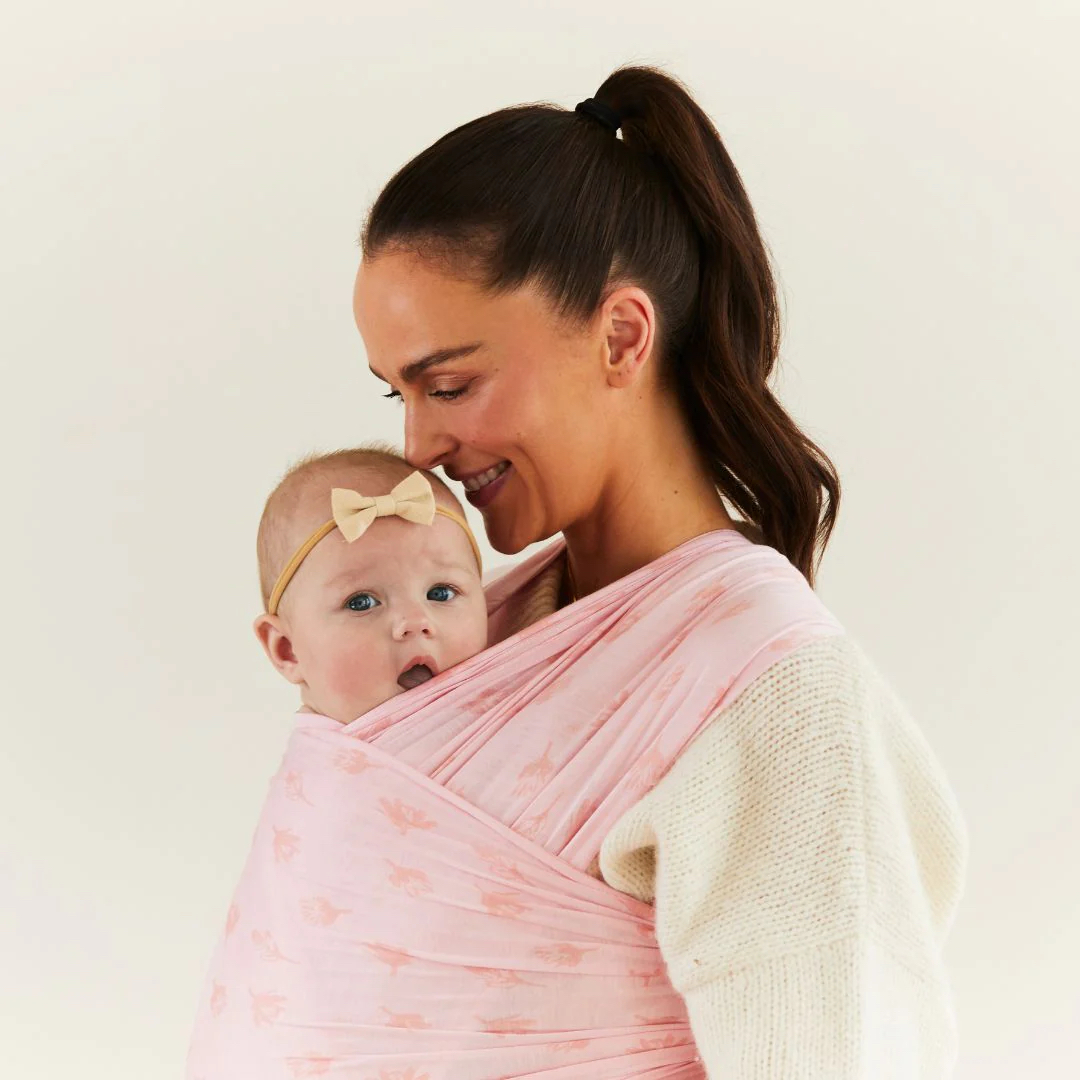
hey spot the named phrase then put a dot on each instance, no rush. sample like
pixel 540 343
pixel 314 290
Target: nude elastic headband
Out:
pixel 412 500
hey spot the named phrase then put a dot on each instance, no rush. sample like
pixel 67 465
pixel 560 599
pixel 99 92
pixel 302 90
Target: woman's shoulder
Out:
pixel 823 718
pixel 734 564
pixel 827 668
pixel 820 734
pixel 718 586
pixel 826 685
pixel 750 532
pixel 759 745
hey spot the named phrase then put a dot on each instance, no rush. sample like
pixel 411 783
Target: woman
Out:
pixel 671 823
pixel 581 327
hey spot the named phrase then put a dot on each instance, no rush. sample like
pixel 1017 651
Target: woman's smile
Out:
pixel 481 488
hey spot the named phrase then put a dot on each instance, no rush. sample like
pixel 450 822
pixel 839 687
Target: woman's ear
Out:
pixel 273 635
pixel 630 326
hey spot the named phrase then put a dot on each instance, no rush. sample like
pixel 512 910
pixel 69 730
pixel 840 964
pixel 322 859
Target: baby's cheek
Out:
pixel 352 673
pixel 470 636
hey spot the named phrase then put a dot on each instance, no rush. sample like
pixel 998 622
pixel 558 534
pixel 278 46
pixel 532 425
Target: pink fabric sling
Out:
pixel 417 903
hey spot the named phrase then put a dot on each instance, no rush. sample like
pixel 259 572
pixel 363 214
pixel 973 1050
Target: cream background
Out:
pixel 182 188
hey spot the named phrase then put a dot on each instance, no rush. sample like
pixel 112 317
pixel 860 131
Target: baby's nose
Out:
pixel 413 621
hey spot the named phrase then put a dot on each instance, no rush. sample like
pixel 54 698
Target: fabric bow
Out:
pixel 412 500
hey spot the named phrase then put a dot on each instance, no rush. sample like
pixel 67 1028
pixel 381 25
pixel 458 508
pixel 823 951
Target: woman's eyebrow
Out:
pixel 411 372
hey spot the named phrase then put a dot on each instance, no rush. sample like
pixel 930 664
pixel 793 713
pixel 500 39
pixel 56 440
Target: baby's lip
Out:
pixel 420 661
pixel 419 670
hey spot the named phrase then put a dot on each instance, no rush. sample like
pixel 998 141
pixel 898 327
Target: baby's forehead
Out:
pixel 310 507
pixel 393 551
pixel 398 546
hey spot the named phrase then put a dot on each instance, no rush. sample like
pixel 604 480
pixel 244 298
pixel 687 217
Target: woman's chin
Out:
pixel 505 544
pixel 514 520
pixel 508 536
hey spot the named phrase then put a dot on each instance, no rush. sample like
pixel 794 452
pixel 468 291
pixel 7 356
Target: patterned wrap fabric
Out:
pixel 417 903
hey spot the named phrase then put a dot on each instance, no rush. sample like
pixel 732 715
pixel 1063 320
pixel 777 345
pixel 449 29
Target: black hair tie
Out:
pixel 597 110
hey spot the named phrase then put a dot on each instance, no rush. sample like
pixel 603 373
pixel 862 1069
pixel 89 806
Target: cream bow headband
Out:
pixel 353 513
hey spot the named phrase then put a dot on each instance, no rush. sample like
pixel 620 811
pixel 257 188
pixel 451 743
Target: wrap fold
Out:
pixel 416 904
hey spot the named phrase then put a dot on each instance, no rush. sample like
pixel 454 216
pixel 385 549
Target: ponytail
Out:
pixel 663 207
pixel 771 472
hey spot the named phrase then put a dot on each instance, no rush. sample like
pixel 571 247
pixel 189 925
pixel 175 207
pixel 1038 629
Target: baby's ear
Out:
pixel 273 635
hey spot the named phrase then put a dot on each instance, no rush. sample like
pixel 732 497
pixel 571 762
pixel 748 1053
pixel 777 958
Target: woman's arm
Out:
pixel 805 855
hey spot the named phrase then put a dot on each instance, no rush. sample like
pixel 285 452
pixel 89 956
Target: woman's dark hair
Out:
pixel 538 194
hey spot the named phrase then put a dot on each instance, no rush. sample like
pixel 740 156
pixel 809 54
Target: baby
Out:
pixel 368 591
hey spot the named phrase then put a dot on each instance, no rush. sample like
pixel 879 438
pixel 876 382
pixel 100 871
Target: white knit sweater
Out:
pixel 805 855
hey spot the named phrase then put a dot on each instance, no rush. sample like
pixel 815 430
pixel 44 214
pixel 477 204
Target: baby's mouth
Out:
pixel 417 671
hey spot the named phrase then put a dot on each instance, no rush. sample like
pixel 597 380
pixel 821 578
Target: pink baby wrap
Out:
pixel 417 903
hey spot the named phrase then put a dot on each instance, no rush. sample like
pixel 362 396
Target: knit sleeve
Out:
pixel 805 855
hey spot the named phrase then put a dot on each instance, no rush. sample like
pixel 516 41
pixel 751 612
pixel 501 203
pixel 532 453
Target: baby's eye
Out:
pixel 361 601
pixel 441 593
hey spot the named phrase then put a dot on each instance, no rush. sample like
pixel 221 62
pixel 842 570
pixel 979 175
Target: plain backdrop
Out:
pixel 182 187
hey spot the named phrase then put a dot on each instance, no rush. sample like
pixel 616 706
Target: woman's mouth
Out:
pixel 483 487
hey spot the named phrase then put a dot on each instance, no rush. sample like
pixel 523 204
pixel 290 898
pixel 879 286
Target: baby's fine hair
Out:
pixel 378 465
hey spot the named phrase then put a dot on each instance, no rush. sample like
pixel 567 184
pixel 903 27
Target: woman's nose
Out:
pixel 427 444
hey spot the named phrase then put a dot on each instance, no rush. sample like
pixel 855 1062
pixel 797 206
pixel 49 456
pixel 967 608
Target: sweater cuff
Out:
pixel 844 1011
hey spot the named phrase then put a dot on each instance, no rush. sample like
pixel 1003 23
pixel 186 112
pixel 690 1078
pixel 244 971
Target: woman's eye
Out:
pixel 449 395
pixel 442 395
pixel 441 593
pixel 362 601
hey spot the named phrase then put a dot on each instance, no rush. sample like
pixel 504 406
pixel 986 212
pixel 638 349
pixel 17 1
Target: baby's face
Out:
pixel 375 617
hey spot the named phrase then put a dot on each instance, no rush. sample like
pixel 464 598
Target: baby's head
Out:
pixel 360 621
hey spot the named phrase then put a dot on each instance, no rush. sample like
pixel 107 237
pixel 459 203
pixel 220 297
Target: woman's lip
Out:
pixel 460 478
pixel 483 497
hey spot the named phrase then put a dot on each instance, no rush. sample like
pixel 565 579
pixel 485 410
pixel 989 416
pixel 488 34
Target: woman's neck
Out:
pixel 658 495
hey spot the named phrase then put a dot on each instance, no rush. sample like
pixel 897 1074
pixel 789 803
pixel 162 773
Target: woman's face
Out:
pixel 510 399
